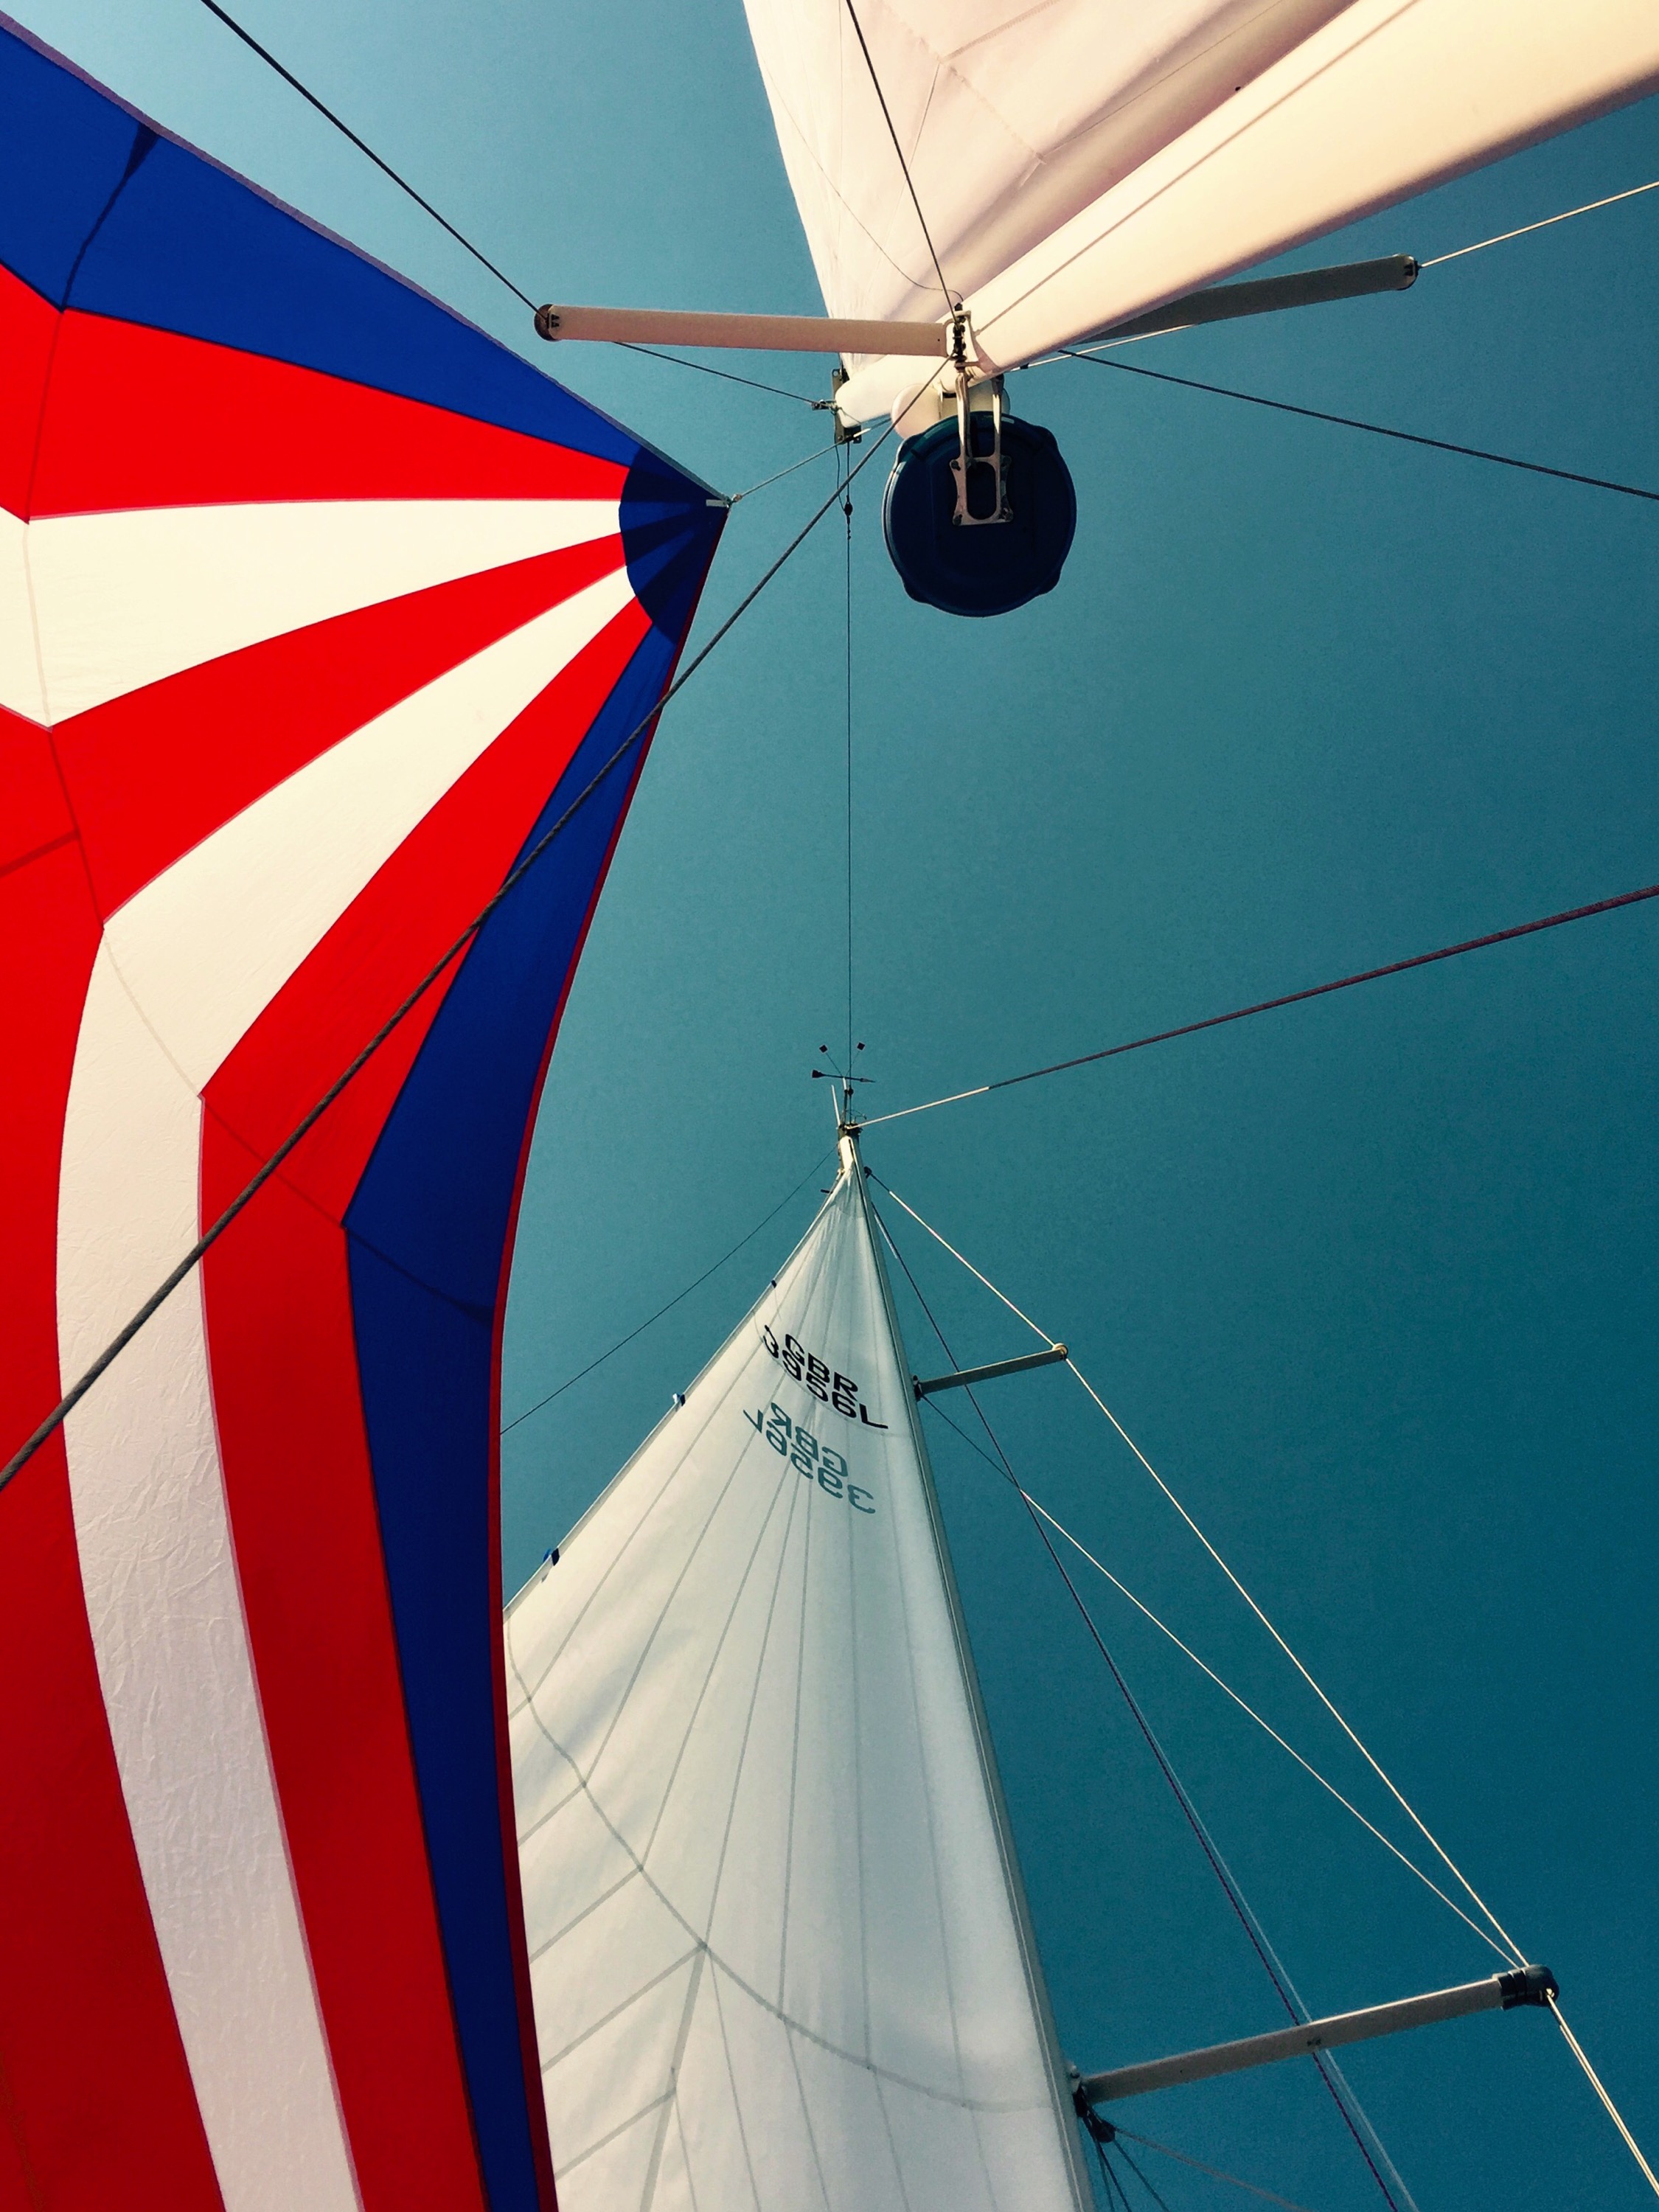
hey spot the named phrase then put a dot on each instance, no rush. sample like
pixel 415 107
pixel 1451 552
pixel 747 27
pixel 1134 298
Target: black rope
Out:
pixel 950 304
pixel 730 376
pixel 204 1243
pixel 846 509
pixel 460 238
pixel 676 1299
pixel 1377 429
pixel 363 147
pixel 1135 2169
pixel 1218 1865
pixel 1289 999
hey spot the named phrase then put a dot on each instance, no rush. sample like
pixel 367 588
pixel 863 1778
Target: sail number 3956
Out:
pixel 818 1462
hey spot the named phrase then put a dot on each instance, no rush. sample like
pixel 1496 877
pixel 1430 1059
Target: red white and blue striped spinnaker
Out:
pixel 317 607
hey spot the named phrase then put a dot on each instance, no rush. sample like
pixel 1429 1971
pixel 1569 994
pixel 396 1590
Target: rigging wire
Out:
pixel 1270 1006
pixel 1527 228
pixel 461 237
pixel 678 1297
pixel 817 454
pixel 1596 2082
pixel 703 368
pixel 1330 2074
pixel 1135 2169
pixel 1204 1668
pixel 1215 2172
pixel 846 509
pixel 363 147
pixel 950 304
pixel 204 1243
pixel 1517 1956
pixel 1377 429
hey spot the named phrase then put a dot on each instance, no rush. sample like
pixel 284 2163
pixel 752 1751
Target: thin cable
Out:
pixel 950 304
pixel 817 454
pixel 1594 2080
pixel 846 509
pixel 1270 1006
pixel 1516 1956
pixel 678 1297
pixel 730 376
pixel 404 184
pixel 363 147
pixel 1257 1935
pixel 158 1297
pixel 1141 2178
pixel 1527 228
pixel 1204 1668
pixel 1215 2172
pixel 1377 429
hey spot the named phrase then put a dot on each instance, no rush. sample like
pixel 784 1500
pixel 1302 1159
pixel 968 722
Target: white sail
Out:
pixel 1078 164
pixel 778 1946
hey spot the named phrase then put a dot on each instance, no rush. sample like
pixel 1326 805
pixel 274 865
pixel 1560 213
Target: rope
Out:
pixel 363 147
pixel 1252 1929
pixel 1140 2177
pixel 703 368
pixel 1377 429
pixel 846 509
pixel 950 304
pixel 817 454
pixel 1204 1668
pixel 1215 2172
pixel 460 238
pixel 1527 228
pixel 678 1297
pixel 1595 2081
pixel 1271 1005
pixel 204 1243
pixel 1516 1956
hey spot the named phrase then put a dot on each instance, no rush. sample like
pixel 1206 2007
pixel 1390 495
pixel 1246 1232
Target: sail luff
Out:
pixel 1019 1903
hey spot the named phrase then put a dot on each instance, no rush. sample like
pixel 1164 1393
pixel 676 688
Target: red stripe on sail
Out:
pixel 297 1474
pixel 154 773
pixel 96 2095
pixel 151 419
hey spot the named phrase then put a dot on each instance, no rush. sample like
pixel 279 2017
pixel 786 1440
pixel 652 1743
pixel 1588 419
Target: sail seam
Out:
pixel 963 2103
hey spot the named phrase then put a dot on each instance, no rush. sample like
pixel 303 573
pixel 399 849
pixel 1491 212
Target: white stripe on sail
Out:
pixel 186 968
pixel 20 658
pixel 208 945
pixel 776 1952
pixel 126 599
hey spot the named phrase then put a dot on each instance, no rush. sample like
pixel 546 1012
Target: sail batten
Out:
pixel 778 1948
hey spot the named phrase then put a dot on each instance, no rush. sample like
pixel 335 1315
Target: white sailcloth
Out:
pixel 1078 164
pixel 778 1945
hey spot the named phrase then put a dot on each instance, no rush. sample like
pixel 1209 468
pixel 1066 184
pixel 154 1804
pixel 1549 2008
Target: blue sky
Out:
pixel 1370 1281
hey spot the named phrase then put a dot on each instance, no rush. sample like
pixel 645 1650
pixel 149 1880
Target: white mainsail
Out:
pixel 779 1949
pixel 1078 164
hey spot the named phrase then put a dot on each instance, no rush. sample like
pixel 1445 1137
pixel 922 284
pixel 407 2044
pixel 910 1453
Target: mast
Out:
pixel 852 1166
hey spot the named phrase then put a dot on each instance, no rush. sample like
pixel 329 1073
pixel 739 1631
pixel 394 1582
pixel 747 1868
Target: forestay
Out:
pixel 779 1954
pixel 1078 164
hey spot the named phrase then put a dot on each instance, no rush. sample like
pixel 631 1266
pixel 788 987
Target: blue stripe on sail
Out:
pixel 428 1229
pixel 190 247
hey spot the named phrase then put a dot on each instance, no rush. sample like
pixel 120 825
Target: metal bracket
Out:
pixel 847 434
pixel 967 461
